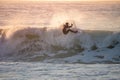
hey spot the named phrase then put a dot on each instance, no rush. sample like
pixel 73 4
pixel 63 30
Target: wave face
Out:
pixel 40 44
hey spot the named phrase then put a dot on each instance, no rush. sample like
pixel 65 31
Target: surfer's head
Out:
pixel 67 23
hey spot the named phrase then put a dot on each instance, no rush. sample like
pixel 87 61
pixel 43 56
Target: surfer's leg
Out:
pixel 66 32
pixel 69 30
pixel 72 31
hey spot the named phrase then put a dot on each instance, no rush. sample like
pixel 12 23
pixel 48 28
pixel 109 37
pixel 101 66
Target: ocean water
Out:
pixel 32 45
pixel 33 31
pixel 48 71
pixel 95 16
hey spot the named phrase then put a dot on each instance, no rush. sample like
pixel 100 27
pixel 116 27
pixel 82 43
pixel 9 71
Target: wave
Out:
pixel 37 44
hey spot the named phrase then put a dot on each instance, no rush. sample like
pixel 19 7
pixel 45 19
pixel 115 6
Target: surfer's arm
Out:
pixel 71 26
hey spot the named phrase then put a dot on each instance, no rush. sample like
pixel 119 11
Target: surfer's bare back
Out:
pixel 67 29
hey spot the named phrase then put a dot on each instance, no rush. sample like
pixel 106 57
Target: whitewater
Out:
pixel 42 44
pixel 33 46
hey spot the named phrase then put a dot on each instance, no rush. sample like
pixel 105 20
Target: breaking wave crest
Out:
pixel 35 44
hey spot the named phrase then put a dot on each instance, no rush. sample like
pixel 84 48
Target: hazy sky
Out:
pixel 59 0
pixel 18 1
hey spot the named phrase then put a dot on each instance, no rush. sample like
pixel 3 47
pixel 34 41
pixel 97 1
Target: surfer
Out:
pixel 67 29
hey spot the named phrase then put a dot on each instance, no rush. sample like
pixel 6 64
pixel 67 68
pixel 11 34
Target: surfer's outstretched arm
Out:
pixel 71 26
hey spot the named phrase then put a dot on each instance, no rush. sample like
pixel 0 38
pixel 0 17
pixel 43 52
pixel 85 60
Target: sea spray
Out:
pixel 31 44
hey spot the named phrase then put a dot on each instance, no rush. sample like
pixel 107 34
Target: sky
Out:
pixel 58 0
pixel 18 1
